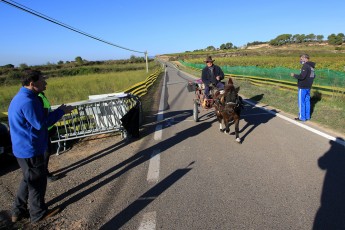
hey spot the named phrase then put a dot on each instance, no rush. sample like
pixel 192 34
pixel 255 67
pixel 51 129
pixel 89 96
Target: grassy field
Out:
pixel 287 56
pixel 330 61
pixel 327 111
pixel 76 88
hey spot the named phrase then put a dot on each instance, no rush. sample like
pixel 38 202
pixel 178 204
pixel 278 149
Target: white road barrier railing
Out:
pixel 99 115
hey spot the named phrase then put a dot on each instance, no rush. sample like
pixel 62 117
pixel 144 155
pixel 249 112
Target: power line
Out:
pixel 38 14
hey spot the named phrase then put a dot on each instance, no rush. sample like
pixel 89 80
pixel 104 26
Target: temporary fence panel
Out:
pixel 326 81
pixel 324 77
pixel 98 115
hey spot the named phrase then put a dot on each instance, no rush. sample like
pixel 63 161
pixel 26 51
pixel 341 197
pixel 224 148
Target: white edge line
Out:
pixel 329 137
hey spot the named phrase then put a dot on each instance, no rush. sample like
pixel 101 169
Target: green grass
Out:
pixel 77 88
pixel 328 111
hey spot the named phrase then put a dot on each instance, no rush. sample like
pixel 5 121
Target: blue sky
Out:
pixel 157 27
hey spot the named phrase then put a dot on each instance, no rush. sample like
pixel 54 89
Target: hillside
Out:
pixel 314 49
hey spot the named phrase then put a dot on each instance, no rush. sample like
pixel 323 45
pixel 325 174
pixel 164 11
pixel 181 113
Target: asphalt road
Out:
pixel 182 174
pixel 282 176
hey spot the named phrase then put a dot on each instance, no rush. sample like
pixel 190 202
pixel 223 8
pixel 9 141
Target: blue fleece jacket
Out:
pixel 29 124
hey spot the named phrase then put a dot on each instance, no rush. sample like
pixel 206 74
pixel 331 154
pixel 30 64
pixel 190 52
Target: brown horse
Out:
pixel 228 108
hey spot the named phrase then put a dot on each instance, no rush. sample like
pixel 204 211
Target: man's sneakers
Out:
pixel 26 215
pixel 297 119
pixel 51 177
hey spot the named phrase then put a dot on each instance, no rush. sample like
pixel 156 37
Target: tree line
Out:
pixel 9 74
pixel 78 61
pixel 283 39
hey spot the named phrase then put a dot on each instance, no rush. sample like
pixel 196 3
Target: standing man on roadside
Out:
pixel 304 81
pixel 211 74
pixel 29 134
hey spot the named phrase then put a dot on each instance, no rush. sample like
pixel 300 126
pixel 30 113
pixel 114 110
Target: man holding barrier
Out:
pixel 29 124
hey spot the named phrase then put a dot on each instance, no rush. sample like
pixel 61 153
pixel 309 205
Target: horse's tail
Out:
pixel 230 82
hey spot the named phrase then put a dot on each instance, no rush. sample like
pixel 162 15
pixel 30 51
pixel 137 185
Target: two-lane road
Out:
pixel 282 176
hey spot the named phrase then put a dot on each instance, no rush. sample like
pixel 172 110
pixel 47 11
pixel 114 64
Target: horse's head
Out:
pixel 231 93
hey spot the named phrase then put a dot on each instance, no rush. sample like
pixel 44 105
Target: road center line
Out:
pixel 148 222
pixel 149 219
pixel 158 132
pixel 154 164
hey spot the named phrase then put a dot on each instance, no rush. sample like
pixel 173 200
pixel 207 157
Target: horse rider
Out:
pixel 212 75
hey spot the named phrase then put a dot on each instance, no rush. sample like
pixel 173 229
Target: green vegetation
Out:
pixel 324 61
pixel 10 75
pixel 328 111
pixel 281 40
pixel 284 39
pixel 77 84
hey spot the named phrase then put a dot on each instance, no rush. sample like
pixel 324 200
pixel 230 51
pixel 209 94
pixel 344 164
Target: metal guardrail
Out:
pixel 93 117
pixel 141 88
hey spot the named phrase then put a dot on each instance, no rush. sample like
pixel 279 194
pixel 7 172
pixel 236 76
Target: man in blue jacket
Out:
pixel 304 81
pixel 29 134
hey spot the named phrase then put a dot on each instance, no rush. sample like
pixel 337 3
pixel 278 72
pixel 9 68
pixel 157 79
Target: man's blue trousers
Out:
pixel 304 104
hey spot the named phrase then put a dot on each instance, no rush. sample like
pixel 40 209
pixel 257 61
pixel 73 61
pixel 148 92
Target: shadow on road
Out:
pixel 254 121
pixel 76 193
pixel 331 214
pixel 87 160
pixel 134 208
pixel 170 118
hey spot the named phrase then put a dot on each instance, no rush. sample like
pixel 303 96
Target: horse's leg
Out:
pixel 237 130
pixel 220 126
pixel 227 123
pixel 219 118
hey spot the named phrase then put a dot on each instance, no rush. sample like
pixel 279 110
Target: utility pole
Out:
pixel 147 64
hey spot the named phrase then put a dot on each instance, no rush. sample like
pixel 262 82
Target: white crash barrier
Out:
pixel 98 115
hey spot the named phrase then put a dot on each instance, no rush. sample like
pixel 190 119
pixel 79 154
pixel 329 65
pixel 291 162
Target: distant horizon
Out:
pixel 153 57
pixel 47 63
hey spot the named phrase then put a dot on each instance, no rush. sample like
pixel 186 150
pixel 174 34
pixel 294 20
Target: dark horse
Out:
pixel 228 108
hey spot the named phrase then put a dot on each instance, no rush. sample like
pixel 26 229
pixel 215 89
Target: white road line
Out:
pixel 158 132
pixel 149 219
pixel 325 135
pixel 148 222
pixel 154 164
